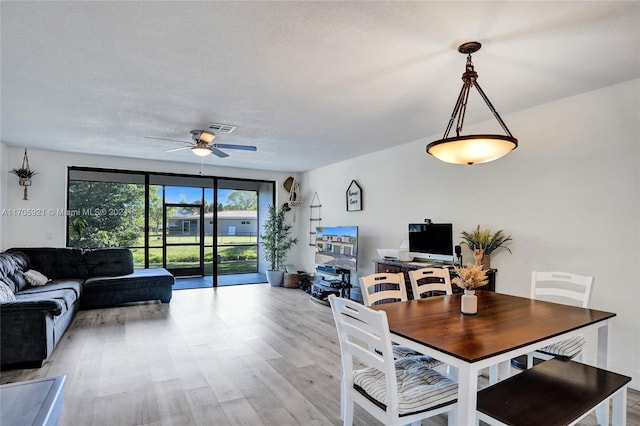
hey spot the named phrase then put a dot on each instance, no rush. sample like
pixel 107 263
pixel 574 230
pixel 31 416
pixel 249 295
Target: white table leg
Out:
pixel 499 372
pixel 467 394
pixel 602 411
pixel 620 407
pixel 494 375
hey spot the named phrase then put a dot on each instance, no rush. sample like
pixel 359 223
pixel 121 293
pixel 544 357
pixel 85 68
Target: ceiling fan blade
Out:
pixel 231 146
pixel 170 140
pixel 215 151
pixel 178 149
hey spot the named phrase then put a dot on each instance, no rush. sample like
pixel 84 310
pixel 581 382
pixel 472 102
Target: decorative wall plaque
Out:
pixel 354 197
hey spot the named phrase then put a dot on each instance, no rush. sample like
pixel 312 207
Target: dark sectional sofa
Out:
pixel 32 325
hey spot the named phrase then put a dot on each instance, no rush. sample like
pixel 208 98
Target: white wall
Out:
pixel 48 193
pixel 569 196
pixel 4 174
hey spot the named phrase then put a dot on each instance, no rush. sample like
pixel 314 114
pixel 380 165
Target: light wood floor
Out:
pixel 243 355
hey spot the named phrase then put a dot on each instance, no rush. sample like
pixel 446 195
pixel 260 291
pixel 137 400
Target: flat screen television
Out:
pixel 337 247
pixel 431 241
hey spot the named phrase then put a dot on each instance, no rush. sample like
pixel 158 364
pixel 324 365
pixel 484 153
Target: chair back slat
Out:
pixel 376 288
pixel 426 280
pixel 565 285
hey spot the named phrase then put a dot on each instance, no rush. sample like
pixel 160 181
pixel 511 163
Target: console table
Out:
pixel 32 402
pixel 395 266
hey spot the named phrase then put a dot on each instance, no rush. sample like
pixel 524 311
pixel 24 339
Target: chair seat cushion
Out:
pixel 566 348
pixel 419 387
pixel 400 351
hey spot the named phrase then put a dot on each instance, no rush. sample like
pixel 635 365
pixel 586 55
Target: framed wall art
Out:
pixel 354 197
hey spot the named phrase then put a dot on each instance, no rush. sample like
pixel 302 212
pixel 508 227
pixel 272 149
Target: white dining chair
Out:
pixel 390 287
pixel 396 392
pixel 428 280
pixel 567 288
pixel 382 288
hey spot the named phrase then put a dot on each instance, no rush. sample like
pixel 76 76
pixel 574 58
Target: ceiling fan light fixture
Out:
pixel 471 149
pixel 206 137
pixel 201 151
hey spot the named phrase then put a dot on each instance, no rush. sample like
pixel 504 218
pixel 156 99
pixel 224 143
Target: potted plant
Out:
pixel 482 242
pixel 24 178
pixel 25 175
pixel 276 241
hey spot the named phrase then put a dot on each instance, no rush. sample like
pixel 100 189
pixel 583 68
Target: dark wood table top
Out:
pixel 503 323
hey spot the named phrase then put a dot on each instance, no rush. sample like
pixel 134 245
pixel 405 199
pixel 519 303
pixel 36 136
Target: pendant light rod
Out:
pixel 493 110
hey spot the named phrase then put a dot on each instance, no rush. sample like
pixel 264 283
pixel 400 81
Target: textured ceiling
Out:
pixel 308 83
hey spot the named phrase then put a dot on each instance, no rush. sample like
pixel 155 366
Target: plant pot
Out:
pixel 24 181
pixel 274 278
pixel 469 305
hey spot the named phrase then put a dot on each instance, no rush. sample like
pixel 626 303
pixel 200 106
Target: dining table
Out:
pixel 503 328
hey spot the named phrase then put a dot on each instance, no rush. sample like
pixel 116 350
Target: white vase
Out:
pixel 469 304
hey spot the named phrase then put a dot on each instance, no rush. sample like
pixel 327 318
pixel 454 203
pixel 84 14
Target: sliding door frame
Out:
pixel 148 177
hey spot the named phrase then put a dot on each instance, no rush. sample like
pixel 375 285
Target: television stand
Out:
pixel 337 281
pixel 384 265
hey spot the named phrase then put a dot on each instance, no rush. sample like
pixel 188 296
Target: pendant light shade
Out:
pixel 471 149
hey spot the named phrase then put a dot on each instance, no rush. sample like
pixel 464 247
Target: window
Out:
pixel 169 220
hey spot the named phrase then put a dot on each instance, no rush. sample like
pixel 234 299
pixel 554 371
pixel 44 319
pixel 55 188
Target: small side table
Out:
pixel 32 402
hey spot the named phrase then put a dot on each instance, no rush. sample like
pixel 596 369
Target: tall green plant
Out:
pixel 276 239
pixel 485 240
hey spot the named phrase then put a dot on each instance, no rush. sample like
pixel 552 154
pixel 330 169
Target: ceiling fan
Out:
pixel 202 144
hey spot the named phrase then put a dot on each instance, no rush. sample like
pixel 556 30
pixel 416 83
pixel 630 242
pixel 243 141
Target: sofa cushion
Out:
pixel 8 269
pixel 74 284
pixel 7 264
pixel 55 262
pixel 6 294
pixel 65 298
pixel 108 262
pixel 22 261
pixel 141 285
pixel 140 278
pixel 11 267
pixel 20 283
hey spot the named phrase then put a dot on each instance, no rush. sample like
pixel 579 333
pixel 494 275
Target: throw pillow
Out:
pixel 35 278
pixel 6 295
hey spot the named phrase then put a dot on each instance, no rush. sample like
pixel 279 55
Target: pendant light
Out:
pixel 471 149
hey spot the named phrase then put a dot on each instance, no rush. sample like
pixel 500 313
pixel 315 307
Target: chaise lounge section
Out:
pixel 32 324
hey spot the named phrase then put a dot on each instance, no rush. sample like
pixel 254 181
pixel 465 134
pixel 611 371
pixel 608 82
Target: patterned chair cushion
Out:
pixel 566 348
pixel 419 387
pixel 400 351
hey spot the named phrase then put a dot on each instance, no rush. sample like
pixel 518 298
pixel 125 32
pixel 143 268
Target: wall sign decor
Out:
pixel 354 197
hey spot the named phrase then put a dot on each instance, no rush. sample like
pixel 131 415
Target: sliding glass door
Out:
pixel 237 231
pixel 191 225
pixel 183 239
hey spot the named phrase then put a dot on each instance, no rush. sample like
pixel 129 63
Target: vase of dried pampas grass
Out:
pixel 469 278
